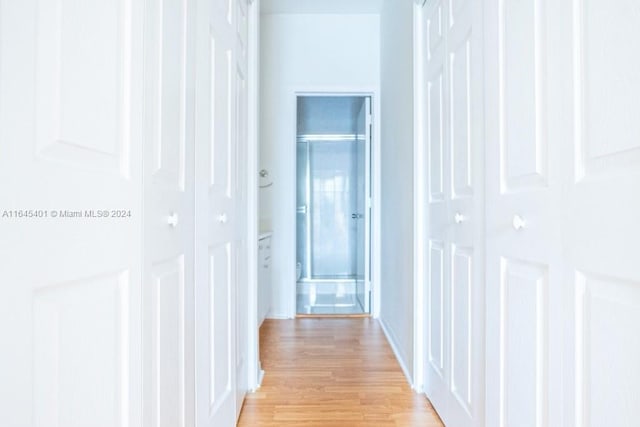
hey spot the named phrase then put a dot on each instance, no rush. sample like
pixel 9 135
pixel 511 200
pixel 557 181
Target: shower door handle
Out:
pixel 357 216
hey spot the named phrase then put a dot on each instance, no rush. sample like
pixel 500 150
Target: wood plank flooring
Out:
pixel 333 372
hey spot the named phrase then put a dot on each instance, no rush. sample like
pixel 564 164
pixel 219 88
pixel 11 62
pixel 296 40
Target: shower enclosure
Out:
pixel 333 208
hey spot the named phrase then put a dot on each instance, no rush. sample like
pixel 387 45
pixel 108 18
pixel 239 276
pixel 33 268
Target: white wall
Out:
pixel 298 53
pixel 396 80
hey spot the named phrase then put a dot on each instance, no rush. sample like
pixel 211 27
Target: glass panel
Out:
pixel 333 201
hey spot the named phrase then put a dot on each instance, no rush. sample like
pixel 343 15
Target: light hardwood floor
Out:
pixel 334 372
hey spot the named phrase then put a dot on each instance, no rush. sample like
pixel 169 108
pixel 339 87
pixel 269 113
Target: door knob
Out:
pixel 518 222
pixel 172 219
pixel 458 218
pixel 222 218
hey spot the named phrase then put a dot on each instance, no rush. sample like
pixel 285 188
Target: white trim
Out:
pixel 277 316
pixel 376 201
pixel 374 93
pixel 255 373
pixel 419 191
pixel 391 339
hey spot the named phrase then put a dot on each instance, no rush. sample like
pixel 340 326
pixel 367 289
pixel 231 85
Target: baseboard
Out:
pixel 260 378
pixel 393 342
pixel 276 316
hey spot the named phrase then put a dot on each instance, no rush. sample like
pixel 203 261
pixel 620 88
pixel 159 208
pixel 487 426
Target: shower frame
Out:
pixel 370 209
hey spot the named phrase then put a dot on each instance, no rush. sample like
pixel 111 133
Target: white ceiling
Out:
pixel 321 6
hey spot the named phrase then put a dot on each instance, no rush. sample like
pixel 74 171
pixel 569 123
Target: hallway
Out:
pixel 332 372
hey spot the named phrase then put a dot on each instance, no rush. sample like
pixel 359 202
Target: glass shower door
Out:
pixel 333 201
pixel 330 228
pixel 327 209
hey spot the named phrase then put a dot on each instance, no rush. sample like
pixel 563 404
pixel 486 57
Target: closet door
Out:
pixel 438 212
pixel 220 151
pixel 601 209
pixel 563 168
pixel 241 95
pixel 71 213
pixel 169 214
pixel 455 298
pixel 524 159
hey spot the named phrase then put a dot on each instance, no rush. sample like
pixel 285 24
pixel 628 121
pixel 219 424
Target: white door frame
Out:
pixel 419 198
pixel 374 93
pixel 253 78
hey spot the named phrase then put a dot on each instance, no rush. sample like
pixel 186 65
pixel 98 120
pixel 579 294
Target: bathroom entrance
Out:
pixel 333 205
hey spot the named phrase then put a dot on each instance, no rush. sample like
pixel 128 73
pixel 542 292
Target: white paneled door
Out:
pixel 168 292
pixel 454 294
pixel 123 134
pixel 221 140
pixel 602 210
pixel 524 235
pixel 563 175
pixel 71 132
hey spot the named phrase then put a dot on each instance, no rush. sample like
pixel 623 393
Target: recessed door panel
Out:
pixel 220 326
pixel 461 325
pixel 168 332
pixel 81 343
pixel 436 137
pixel 607 87
pixel 171 94
pixel 221 147
pixel 523 323
pixel 460 123
pixel 83 84
pixel 434 28
pixel 522 132
pixel 607 350
pixel 436 307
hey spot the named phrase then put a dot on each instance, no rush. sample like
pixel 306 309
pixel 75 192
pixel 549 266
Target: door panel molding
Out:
pixel 523 356
pixel 66 128
pixel 522 96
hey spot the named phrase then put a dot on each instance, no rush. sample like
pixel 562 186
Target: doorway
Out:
pixel 333 209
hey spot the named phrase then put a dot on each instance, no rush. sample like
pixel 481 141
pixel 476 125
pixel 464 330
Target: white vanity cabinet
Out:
pixel 264 276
